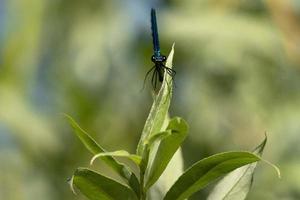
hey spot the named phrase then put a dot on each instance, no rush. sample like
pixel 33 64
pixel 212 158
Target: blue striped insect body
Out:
pixel 157 58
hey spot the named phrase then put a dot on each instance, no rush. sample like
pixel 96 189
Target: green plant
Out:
pixel 160 140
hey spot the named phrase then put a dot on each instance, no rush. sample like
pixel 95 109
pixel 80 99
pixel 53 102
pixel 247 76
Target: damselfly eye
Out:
pixel 164 58
pixel 153 59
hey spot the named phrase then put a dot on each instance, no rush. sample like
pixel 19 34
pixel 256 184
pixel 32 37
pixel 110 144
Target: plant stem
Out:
pixel 142 189
pixel 143 167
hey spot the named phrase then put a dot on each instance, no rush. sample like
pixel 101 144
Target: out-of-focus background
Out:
pixel 238 75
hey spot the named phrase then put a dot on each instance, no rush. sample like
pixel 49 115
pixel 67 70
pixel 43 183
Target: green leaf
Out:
pixel 121 153
pixel 159 109
pixel 168 146
pixel 98 187
pixel 87 140
pixel 173 171
pixel 95 148
pixel 236 185
pixel 135 184
pixel 206 171
pixel 157 137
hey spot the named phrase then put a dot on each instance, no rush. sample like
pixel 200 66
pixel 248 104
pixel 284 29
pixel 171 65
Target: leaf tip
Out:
pixel 274 167
pixel 68 117
pixel 94 158
pixel 70 181
pixel 169 62
pixel 65 115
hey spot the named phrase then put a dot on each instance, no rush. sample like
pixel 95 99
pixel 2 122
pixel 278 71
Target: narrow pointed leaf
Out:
pixel 95 148
pixel 173 171
pixel 159 109
pixel 236 185
pixel 158 137
pixel 98 187
pixel 135 184
pixel 85 138
pixel 121 153
pixel 206 171
pixel 167 148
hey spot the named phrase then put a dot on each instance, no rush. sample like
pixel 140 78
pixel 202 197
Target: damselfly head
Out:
pixel 156 59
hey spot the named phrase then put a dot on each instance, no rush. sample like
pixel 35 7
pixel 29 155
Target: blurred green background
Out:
pixel 238 75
